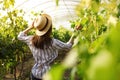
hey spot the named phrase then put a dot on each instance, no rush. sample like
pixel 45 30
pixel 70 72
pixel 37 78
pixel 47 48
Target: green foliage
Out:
pixel 11 50
pixel 11 24
pixel 59 72
pixel 57 2
pixel 61 34
pixel 7 4
pixel 118 14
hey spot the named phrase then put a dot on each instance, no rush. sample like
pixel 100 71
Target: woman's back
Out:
pixel 43 56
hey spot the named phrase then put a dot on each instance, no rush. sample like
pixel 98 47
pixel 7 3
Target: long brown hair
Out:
pixel 41 41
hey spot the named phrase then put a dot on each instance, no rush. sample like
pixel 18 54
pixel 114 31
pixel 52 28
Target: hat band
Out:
pixel 45 24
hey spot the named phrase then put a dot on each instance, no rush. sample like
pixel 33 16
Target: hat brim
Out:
pixel 42 32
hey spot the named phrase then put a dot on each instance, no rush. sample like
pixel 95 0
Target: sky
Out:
pixel 61 14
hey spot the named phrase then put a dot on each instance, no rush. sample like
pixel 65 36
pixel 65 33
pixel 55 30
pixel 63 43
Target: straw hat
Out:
pixel 42 24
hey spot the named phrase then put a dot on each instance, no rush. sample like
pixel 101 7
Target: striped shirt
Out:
pixel 43 57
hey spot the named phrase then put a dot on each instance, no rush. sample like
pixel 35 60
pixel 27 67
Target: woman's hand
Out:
pixel 29 28
pixel 78 27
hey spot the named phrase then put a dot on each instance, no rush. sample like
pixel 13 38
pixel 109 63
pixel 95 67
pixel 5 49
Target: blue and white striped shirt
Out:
pixel 43 57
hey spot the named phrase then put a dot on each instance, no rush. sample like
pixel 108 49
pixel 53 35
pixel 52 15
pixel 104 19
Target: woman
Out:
pixel 43 47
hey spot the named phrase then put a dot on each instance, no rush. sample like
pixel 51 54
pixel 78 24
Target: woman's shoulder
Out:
pixel 56 41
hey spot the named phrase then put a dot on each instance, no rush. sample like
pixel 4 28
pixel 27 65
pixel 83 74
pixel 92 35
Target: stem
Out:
pixel 15 73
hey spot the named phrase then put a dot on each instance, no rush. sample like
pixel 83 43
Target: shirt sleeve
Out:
pixel 61 45
pixel 23 37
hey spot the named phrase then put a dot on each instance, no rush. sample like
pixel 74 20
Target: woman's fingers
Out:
pixel 78 27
